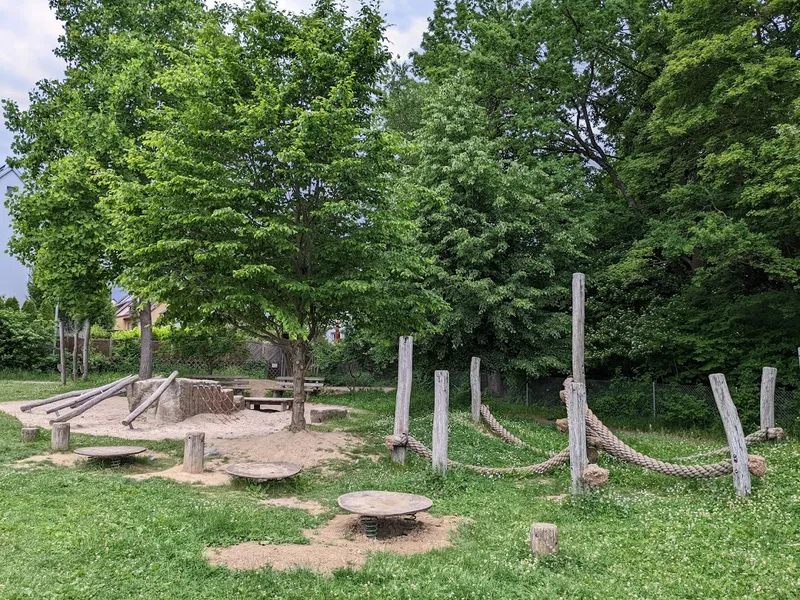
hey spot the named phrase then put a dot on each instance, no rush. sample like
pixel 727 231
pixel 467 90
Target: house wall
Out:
pixel 123 323
pixel 13 275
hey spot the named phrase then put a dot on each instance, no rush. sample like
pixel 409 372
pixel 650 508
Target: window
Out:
pixel 11 189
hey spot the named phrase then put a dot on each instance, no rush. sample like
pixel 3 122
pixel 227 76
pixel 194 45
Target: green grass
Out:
pixel 19 390
pixel 92 533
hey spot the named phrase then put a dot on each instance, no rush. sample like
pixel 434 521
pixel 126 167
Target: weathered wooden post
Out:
pixel 475 387
pixel 578 323
pixel 544 539
pixel 769 376
pixel 403 403
pixel 59 437
pixel 734 433
pixel 576 415
pixel 441 407
pixel 62 352
pixel 194 452
pixel 29 433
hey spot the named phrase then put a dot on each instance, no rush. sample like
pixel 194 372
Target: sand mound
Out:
pixel 340 543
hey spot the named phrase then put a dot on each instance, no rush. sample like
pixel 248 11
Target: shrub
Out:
pixel 26 341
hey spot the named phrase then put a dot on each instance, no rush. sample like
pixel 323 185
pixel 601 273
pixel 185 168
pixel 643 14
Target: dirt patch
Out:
pixel 209 477
pixel 305 448
pixel 340 543
pixel 310 506
pixel 61 460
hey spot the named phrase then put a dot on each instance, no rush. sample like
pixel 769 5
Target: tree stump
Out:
pixel 59 440
pixel 544 539
pixel 29 433
pixel 194 452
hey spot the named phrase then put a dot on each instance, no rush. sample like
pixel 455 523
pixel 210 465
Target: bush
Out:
pixel 26 341
pixel 209 346
pixel 685 410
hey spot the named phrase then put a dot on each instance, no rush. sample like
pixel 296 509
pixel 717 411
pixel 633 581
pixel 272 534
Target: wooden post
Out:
pixel 544 539
pixel 403 402
pixel 83 397
pixel 576 415
pixel 440 421
pixel 734 433
pixel 475 387
pixel 146 340
pixel 147 403
pixel 62 352
pixel 31 405
pixel 96 400
pixel 578 321
pixel 29 433
pixel 194 452
pixel 87 327
pixel 59 437
pixel 74 350
pixel 768 377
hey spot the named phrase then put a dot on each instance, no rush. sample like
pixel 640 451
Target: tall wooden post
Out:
pixel 403 403
pixel 87 327
pixel 146 350
pixel 74 349
pixel 576 415
pixel 62 352
pixel 578 323
pixel 59 437
pixel 441 407
pixel 734 433
pixel 475 387
pixel 194 452
pixel 769 376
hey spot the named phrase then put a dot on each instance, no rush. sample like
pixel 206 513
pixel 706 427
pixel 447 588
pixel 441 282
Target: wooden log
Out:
pixel 74 350
pixel 734 433
pixel 87 328
pixel 403 402
pixel 83 397
pixel 153 397
pixel 31 405
pixel 576 415
pixel 29 433
pixel 440 421
pixel 62 352
pixel 544 539
pixel 769 376
pixel 59 437
pixel 96 400
pixel 475 387
pixel 578 321
pixel 194 452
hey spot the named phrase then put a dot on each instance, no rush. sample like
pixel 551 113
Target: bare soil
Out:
pixel 312 507
pixel 340 543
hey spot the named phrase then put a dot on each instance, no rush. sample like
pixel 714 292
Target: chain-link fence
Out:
pixel 673 404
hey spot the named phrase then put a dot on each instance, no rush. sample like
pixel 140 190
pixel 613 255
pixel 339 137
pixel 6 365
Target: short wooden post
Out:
pixel 578 321
pixel 576 415
pixel 769 376
pixel 194 452
pixel 475 387
pixel 59 438
pixel 29 433
pixel 441 407
pixel 403 403
pixel 544 539
pixel 734 433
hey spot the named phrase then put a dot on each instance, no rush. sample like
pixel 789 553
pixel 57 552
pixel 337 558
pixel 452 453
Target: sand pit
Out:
pixel 340 543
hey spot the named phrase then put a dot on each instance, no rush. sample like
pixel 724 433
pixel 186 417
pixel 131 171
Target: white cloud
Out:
pixel 403 40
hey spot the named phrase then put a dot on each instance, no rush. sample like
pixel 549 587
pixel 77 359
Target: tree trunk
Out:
pixel 299 351
pixel 62 353
pixel 74 350
pixel 146 353
pixel 496 386
pixel 85 370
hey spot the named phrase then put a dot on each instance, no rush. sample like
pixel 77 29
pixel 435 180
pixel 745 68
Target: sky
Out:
pixel 29 33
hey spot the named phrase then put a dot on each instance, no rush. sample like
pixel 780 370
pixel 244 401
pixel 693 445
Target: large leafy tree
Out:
pixel 267 207
pixel 72 143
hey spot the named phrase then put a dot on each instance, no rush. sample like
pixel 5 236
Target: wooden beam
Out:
pixel 475 387
pixel 31 405
pixel 153 397
pixel 578 324
pixel 441 408
pixel 403 402
pixel 769 375
pixel 576 415
pixel 86 395
pixel 734 433
pixel 96 400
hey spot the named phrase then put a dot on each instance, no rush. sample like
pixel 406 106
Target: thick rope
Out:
pixel 419 448
pixel 762 435
pixel 506 435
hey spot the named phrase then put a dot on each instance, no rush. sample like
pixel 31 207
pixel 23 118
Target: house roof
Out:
pixel 5 170
pixel 123 307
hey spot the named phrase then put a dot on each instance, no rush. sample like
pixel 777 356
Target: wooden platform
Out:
pixel 111 452
pixel 264 471
pixel 384 504
pixel 312 384
pixel 240 384
pixel 278 404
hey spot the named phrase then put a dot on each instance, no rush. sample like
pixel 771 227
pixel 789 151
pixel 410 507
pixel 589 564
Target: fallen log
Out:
pixel 147 403
pixel 96 400
pixel 31 405
pixel 86 395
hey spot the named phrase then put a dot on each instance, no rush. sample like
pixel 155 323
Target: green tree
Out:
pixel 267 207
pixel 210 345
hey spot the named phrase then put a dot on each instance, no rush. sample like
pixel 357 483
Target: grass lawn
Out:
pixel 72 533
pixel 17 390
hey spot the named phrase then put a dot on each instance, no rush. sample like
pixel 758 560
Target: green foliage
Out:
pixel 207 344
pixel 26 342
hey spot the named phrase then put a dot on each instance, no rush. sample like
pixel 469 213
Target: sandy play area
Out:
pixel 340 543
